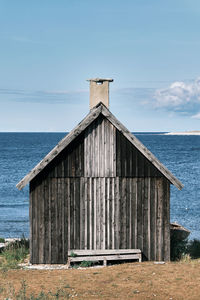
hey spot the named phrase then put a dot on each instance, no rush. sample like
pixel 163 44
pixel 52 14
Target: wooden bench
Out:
pixel 104 255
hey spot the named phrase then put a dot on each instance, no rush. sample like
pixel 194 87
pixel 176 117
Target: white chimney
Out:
pixel 99 91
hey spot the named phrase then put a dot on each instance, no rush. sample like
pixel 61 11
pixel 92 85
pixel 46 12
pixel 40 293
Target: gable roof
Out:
pixel 93 114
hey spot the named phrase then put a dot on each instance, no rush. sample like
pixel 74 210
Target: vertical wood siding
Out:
pixel 69 163
pixel 100 149
pixel 130 162
pixel 48 221
pixel 99 213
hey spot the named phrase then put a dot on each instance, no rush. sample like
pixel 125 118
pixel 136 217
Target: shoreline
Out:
pixel 195 132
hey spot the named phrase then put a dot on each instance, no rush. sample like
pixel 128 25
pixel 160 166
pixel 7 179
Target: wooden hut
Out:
pixel 99 188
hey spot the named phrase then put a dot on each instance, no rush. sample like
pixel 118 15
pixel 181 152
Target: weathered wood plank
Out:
pixel 68 199
pixel 90 203
pixel 49 224
pixel 86 213
pixel 82 213
pixel 135 216
pixel 31 203
pixel 78 212
pixel 107 257
pixel 40 199
pixel 46 221
pixel 130 214
pixel 94 195
pixel 128 211
pixel 75 212
pixel 104 252
pixel 146 219
pixel 59 221
pixel 123 215
pixel 72 192
pixel 117 237
pixel 53 220
pixel 102 151
pixel 108 216
pixel 140 213
pixel 153 217
pixel 98 221
pixel 113 226
pixel 64 220
pixel 113 147
pixel 36 233
pixel 166 217
pixel 159 225
pixel 149 218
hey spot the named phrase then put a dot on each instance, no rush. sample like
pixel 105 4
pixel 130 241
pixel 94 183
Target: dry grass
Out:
pixel 180 280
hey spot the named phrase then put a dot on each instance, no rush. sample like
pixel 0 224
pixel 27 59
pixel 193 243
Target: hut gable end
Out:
pixel 101 150
pixel 100 129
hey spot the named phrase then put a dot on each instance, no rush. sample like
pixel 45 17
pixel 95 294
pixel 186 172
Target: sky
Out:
pixel 151 48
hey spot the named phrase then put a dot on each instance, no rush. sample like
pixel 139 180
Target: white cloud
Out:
pixel 179 96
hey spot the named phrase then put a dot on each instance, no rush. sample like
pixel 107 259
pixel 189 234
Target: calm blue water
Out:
pixel 20 152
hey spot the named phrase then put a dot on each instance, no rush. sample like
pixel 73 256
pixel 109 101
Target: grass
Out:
pixel 125 281
pixel 193 248
pixel 72 254
pixel 185 249
pixel 86 264
pixel 22 294
pixel 2 240
pixel 13 254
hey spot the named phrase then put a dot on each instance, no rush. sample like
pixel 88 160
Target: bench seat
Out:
pixel 104 255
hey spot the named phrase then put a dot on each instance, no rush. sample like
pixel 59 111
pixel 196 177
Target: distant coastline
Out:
pixel 193 132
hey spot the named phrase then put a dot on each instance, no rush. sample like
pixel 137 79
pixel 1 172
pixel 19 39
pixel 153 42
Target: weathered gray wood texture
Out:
pixel 99 193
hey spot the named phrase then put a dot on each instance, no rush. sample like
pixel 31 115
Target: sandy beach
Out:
pixel 194 132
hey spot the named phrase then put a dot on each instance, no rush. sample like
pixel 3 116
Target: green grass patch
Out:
pixel 13 254
pixel 193 248
pixel 2 240
pixel 86 264
pixel 185 250
pixel 72 254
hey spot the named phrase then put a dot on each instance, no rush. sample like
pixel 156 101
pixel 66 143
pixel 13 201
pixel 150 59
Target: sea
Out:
pixel 20 152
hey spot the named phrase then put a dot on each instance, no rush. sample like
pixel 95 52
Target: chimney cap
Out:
pixel 100 79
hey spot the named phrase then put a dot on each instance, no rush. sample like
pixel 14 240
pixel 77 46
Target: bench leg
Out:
pixel 105 262
pixel 68 262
